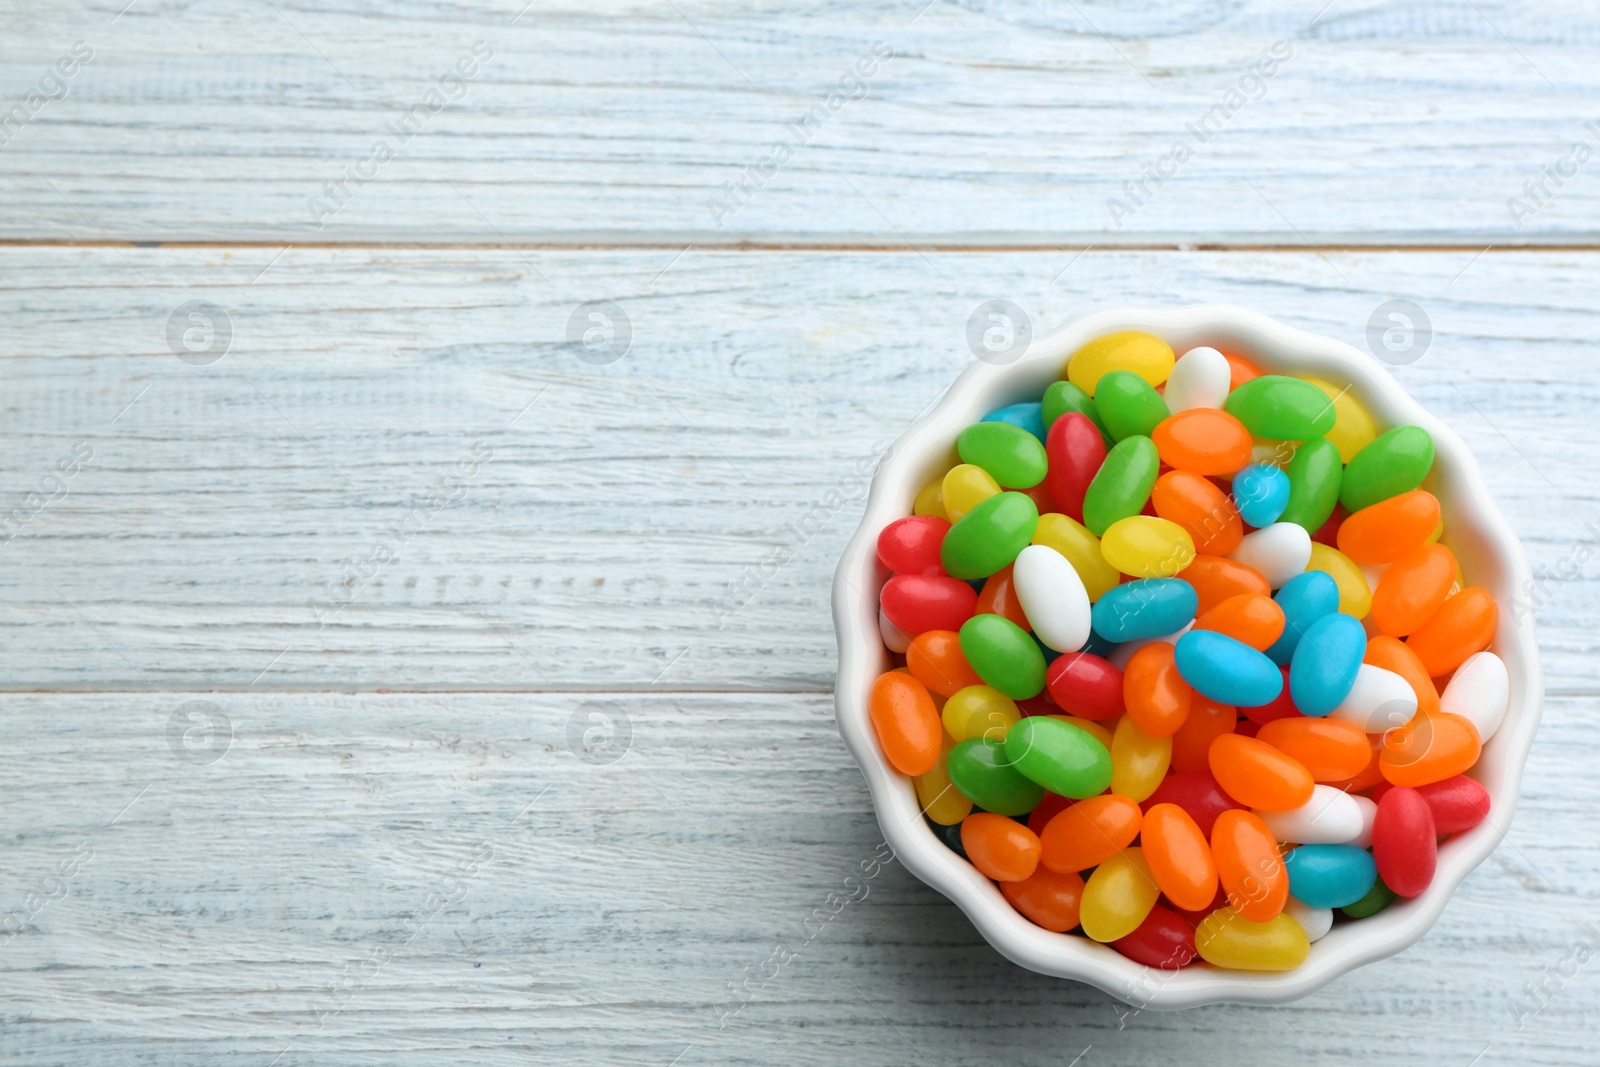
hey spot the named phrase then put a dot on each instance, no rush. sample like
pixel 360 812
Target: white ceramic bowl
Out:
pixel 1475 530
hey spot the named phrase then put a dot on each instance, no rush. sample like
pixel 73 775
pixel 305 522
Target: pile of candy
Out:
pixel 1184 662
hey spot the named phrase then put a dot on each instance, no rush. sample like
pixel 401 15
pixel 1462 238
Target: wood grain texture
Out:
pixel 996 121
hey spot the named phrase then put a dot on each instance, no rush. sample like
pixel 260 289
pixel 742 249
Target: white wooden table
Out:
pixel 372 511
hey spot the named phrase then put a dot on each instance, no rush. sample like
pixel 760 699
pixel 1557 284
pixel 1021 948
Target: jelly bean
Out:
pixel 1279 707
pixel 1271 453
pixel 1314 475
pixel 1369 816
pixel 1203 511
pixel 1147 547
pixel 1225 939
pixel 1278 552
pixel 1390 529
pixel 1378 897
pixel 1003 655
pixel 1138 761
pixel 941 801
pixel 911 545
pixel 1250 618
pixel 1063 398
pixel 1355 596
pixel 1226 670
pixel 1053 596
pixel 1323 669
pixel 1248 865
pixel 1127 405
pixel 1458 803
pixel 1207 720
pixel 965 486
pixel 1156 696
pixel 1393 655
pixel 1144 354
pixel 1316 922
pixel 1240 370
pixel 1081 549
pixel 1328 876
pixel 1012 456
pixel 1122 485
pixel 1118 896
pixel 949 837
pixel 1094 729
pixel 1199 379
pixel 1090 832
pixel 1463 625
pixel 1052 805
pixel 1258 775
pixel 1396 462
pixel 1164 940
pixel 1331 750
pixel 930 500
pixel 1261 492
pixel 1405 842
pixel 1215 580
pixel 1328 532
pixel 1043 502
pixel 1179 856
pixel 1060 757
pixel 1330 817
pixel 1075 451
pixel 1480 692
pixel 1197 793
pixel 935 659
pixel 979 711
pixel 1084 684
pixel 917 603
pixel 1029 417
pixel 1285 408
pixel 1047 899
pixel 1202 441
pixel 1353 429
pixel 1428 749
pixel 999 597
pixel 979 768
pixel 1148 607
pixel 989 536
pixel 1370 775
pixel 906 722
pixel 1001 848
pixel 1413 589
pixel 1121 654
pixel 894 638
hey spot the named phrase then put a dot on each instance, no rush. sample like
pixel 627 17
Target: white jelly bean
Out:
pixel 1479 692
pixel 1199 379
pixel 1279 551
pixel 1124 652
pixel 1330 817
pixel 1053 597
pixel 1316 922
pixel 1369 815
pixel 893 639
pixel 1380 700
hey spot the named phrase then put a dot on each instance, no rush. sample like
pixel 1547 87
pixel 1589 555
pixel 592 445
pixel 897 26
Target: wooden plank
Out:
pixel 365 878
pixel 1002 123
pixel 612 534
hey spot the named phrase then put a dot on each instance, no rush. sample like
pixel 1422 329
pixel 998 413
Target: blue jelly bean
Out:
pixel 1028 416
pixel 1305 598
pixel 1149 607
pixel 1098 645
pixel 1323 669
pixel 1261 492
pixel 1227 670
pixel 1330 876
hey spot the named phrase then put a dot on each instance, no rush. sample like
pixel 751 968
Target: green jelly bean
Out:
pixel 1395 463
pixel 1285 408
pixel 1012 456
pixel 1121 486
pixel 1059 756
pixel 1378 897
pixel 1128 406
pixel 1314 478
pixel 1004 655
pixel 1063 397
pixel 979 769
pixel 989 536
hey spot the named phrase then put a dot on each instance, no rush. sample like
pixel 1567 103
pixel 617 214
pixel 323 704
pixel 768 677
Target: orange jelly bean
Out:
pixel 1207 721
pixel 1206 513
pixel 1463 625
pixel 1240 370
pixel 935 659
pixel 1203 441
pixel 1090 832
pixel 1156 696
pixel 1368 776
pixel 1254 619
pixel 1248 865
pixel 1413 589
pixel 1000 847
pixel 1429 748
pixel 1215 580
pixel 1331 750
pixel 1393 654
pixel 1258 775
pixel 999 597
pixel 1389 529
pixel 1047 898
pixel 1179 857
pixel 906 722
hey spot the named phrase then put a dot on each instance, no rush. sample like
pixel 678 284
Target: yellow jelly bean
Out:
pixel 1438 532
pixel 1138 761
pixel 979 711
pixel 1272 452
pixel 1073 540
pixel 941 801
pixel 1353 429
pixel 1097 729
pixel 1118 896
pixel 965 487
pixel 1147 547
pixel 1146 355
pixel 1355 596
pixel 1227 939
pixel 930 499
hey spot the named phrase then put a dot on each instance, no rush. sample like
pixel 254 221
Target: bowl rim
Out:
pixel 1275 346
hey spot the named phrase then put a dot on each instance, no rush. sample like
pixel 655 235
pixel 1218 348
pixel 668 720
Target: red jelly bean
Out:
pixel 1458 803
pixel 1075 451
pixel 999 597
pixel 911 545
pixel 917 603
pixel 1052 805
pixel 1280 707
pixel 1164 940
pixel 1197 793
pixel 1084 684
pixel 1404 841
